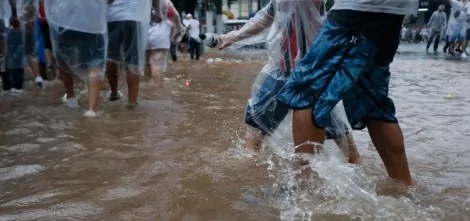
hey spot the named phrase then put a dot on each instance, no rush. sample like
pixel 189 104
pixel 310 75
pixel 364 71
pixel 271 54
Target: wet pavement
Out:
pixel 179 155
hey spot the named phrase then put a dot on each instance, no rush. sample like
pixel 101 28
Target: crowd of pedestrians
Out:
pixel 87 40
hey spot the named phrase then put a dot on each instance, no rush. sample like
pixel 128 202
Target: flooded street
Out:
pixel 179 155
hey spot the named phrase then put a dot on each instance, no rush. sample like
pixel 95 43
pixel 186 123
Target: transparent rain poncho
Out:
pixel 128 25
pixel 165 25
pixel 78 31
pixel 27 10
pixel 3 33
pixel 20 41
pixel 167 10
pixel 293 25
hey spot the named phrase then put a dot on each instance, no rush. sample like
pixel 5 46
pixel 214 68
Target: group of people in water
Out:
pixel 316 67
pixel 87 40
pixel 455 31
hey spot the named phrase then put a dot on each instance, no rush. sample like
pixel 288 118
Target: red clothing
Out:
pixel 42 12
pixel 290 43
pixel 170 10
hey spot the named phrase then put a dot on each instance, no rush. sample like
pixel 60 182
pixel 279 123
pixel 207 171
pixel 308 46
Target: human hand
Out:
pixel 227 40
pixel 14 23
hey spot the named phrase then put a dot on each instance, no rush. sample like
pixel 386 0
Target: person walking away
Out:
pixel 437 24
pixel 41 55
pixel 6 79
pixel 173 51
pixel 350 61
pixel 79 39
pixel 44 27
pixel 28 11
pixel 19 40
pixel 457 24
pixel 466 10
pixel 15 57
pixel 287 42
pixel 194 30
pixel 128 25
pixel 161 33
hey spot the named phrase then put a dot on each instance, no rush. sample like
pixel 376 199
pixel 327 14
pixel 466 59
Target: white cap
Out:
pixel 189 15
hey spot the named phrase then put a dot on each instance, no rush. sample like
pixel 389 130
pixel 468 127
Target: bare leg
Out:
pixel 113 77
pixel 353 154
pixel 133 83
pixel 388 140
pixel 451 48
pixel 464 46
pixel 147 71
pixel 253 139
pixel 67 79
pixel 305 133
pixel 94 88
pixel 33 63
pixel 157 66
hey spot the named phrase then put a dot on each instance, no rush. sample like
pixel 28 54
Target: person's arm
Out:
pixel 13 8
pixel 431 20
pixel 175 18
pixel 256 25
pixel 14 22
pixel 157 11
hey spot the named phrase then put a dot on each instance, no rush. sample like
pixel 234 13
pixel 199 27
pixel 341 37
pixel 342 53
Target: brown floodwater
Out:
pixel 179 155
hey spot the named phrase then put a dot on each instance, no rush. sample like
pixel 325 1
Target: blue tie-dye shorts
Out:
pixel 341 65
pixel 265 113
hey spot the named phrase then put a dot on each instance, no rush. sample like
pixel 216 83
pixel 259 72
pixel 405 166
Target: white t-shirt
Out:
pixel 159 35
pixel 194 30
pixel 399 7
pixel 129 10
pixel 87 16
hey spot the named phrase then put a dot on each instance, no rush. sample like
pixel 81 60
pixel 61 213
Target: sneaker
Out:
pixel 70 102
pixel 464 54
pixel 90 113
pixel 39 81
pixel 16 92
pixel 115 97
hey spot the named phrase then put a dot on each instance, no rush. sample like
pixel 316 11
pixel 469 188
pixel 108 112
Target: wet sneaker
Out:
pixel 16 92
pixel 39 81
pixel 90 113
pixel 70 102
pixel 115 97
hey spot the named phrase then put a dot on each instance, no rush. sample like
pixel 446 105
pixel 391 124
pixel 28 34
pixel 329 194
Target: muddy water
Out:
pixel 179 155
